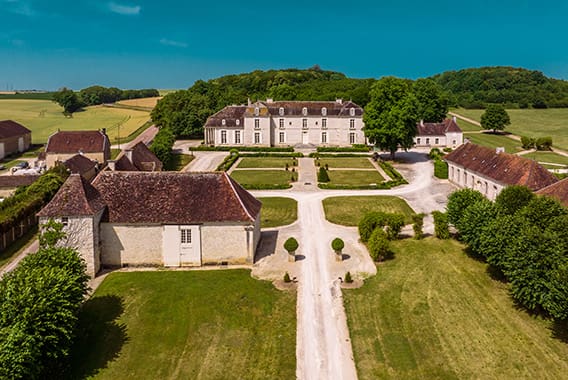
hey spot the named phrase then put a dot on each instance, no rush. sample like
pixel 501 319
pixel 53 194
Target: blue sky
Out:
pixel 47 44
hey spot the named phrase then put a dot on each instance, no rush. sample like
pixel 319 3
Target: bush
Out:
pixel 418 224
pixel 337 244
pixel 527 142
pixel 228 162
pixel 287 277
pixel 435 153
pixel 441 230
pixel 513 198
pixel 543 143
pixel 369 223
pixel 354 148
pixel 458 201
pixel 447 150
pixel 322 175
pixel 378 245
pixel 348 278
pixel 162 145
pixel 291 244
pixel 440 169
pixel 394 223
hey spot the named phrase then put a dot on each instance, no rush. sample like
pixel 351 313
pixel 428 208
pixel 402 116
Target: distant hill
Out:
pixel 514 87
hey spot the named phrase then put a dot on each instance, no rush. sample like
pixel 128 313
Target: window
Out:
pixel 427 141
pixel 437 141
pixel 281 123
pixel 237 137
pixel 185 236
pixel 418 141
pixel 257 137
pixel 305 111
pixel 223 122
pixel 281 111
pixel 324 111
pixel 351 111
pixel 324 137
pixel 256 111
pixel 352 138
pixel 281 137
pixel 454 142
pixel 323 123
pixel 256 124
pixel 65 221
pixel 305 123
pixel 352 124
pixel 223 137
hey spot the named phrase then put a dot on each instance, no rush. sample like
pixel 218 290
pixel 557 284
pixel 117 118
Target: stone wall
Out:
pixel 228 242
pixel 131 245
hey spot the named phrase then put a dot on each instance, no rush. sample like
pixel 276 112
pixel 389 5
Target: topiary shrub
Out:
pixel 291 245
pixel 527 142
pixel 287 277
pixel 418 224
pixel 441 229
pixel 440 169
pixel 543 143
pixel 322 175
pixel 369 222
pixel 348 278
pixel 337 244
pixel 378 245
pixel 394 223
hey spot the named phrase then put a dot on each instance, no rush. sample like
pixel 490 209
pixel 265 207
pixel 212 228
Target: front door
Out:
pixel 181 246
pixel 305 138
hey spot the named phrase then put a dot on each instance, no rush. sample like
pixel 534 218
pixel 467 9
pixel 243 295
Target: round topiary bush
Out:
pixel 234 152
pixel 291 245
pixel 337 244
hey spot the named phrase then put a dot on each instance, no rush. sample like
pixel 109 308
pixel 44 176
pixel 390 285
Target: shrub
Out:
pixel 458 201
pixel 287 277
pixel 527 142
pixel 513 198
pixel 435 153
pixel 447 150
pixel 291 244
pixel 369 223
pixel 394 223
pixel 418 224
pixel 322 175
pixel 392 172
pixel 348 278
pixel 440 169
pixel 228 162
pixel 337 244
pixel 378 245
pixel 441 229
pixel 543 143
pixel 233 152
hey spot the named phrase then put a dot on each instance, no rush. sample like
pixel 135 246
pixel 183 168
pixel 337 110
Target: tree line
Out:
pixel 72 101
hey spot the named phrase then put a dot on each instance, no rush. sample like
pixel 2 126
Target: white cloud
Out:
pixel 165 41
pixel 121 9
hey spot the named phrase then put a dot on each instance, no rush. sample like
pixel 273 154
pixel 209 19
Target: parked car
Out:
pixel 22 165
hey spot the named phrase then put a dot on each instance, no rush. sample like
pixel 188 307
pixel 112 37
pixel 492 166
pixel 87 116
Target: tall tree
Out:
pixel 391 115
pixel 432 101
pixel 67 99
pixel 495 117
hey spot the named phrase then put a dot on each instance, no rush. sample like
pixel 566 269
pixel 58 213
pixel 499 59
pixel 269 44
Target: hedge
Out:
pixel 440 169
pixel 243 148
pixel 320 155
pixel 277 155
pixel 354 148
pixel 265 186
pixel 380 186
pixel 227 162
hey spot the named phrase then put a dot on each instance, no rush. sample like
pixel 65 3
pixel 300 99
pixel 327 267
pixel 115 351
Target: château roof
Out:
pixel 69 142
pixel 9 128
pixel 438 129
pixel 79 164
pixel 558 190
pixel 76 197
pixel 504 168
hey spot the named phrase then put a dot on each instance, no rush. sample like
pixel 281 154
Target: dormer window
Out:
pixel 305 111
pixel 281 111
pixel 223 122
pixel 324 111
pixel 237 122
pixel 352 111
pixel 256 111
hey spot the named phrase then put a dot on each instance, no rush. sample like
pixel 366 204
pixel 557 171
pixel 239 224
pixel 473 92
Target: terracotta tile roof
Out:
pixel 9 128
pixel 79 164
pixel 174 198
pixel 558 190
pixel 77 197
pixel 507 169
pixel 438 129
pixel 78 141
pixel 11 181
pixel 123 164
pixel 139 157
pixel 230 114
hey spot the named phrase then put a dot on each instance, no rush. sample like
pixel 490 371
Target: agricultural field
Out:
pixel 533 123
pixel 43 117
pixel 215 325
pixel 278 211
pixel 432 312
pixel 148 103
pixel 348 211
pixel 493 141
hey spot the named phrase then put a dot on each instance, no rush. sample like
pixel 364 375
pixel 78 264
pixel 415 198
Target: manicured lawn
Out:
pixel 354 177
pixel 278 211
pixel 262 177
pixel 346 162
pixel 493 141
pixel 264 162
pixel 179 161
pixel 44 117
pixel 534 123
pixel 434 313
pixel 547 157
pixel 467 126
pixel 186 325
pixel 348 211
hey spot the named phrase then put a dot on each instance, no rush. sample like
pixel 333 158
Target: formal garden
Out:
pixel 278 211
pixel 348 211
pixel 263 170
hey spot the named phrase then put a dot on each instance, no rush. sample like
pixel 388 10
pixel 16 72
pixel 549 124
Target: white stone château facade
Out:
pixel 446 134
pixel 287 123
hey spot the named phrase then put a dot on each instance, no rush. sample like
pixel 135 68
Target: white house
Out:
pixel 489 171
pixel 287 123
pixel 446 134
pixel 157 218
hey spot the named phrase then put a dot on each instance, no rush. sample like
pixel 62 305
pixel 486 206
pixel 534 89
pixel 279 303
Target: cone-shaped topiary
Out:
pixel 348 278
pixel 322 175
pixel 287 277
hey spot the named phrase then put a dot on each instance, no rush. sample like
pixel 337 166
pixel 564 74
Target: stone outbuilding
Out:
pixel 558 191
pixel 63 145
pixel 14 138
pixel 490 170
pixel 79 164
pixel 157 219
pixel 137 158
pixel 446 134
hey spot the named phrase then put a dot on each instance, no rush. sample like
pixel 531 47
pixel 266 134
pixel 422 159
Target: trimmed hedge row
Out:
pixel 227 162
pixel 393 173
pixel 354 148
pixel 278 155
pixel 440 169
pixel 265 186
pixel 243 148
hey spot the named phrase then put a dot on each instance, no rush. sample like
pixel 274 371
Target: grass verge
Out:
pixel 348 211
pixel 354 177
pixel 262 177
pixel 346 162
pixel 264 162
pixel 278 211
pixel 186 325
pixel 433 313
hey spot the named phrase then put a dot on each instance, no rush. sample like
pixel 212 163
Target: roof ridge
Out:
pixel 228 179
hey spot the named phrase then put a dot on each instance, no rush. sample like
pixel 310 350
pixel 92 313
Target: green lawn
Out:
pixel 278 211
pixel 346 162
pixel 179 161
pixel 534 123
pixel 264 162
pixel 44 117
pixel 467 126
pixel 262 177
pixel 186 325
pixel 547 157
pixel 348 211
pixel 434 313
pixel 354 177
pixel 493 141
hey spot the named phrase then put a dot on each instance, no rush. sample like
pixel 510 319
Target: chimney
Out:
pixel 128 154
pixel 421 122
pixel 104 131
pixel 269 100
pixel 112 165
pixel 248 101
pixel 500 149
pixel 454 119
pixel 339 101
